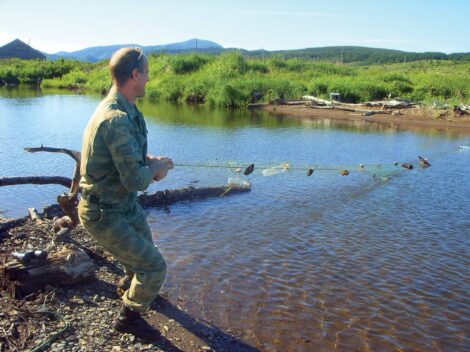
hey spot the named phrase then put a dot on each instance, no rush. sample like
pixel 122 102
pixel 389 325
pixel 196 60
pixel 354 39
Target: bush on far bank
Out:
pixel 232 80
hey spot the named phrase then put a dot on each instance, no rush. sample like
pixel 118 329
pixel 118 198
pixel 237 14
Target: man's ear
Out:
pixel 134 73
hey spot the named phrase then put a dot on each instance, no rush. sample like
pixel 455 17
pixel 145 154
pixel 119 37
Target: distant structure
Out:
pixel 20 50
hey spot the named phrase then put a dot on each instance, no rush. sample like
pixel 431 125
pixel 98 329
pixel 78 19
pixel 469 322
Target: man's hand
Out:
pixel 151 159
pixel 159 166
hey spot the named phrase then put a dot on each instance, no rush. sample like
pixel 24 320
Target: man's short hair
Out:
pixel 124 61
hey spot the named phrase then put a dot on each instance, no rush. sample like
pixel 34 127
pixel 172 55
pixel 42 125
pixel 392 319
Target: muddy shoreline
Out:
pixel 408 119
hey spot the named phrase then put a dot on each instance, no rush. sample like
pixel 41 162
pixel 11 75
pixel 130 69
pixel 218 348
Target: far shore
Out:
pixel 409 118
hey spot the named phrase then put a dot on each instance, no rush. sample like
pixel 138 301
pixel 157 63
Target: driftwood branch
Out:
pixel 72 153
pixel 75 155
pixel 69 201
pixel 35 180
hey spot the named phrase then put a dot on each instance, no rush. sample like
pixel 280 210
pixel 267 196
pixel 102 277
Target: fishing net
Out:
pixel 376 171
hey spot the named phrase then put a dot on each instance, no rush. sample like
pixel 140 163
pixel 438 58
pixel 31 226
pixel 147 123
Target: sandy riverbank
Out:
pixel 409 118
pixel 91 308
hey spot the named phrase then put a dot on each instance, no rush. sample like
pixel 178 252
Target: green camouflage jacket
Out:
pixel 113 165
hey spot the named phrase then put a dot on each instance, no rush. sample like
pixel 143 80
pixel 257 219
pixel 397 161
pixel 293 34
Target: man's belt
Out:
pixel 90 197
pixel 93 199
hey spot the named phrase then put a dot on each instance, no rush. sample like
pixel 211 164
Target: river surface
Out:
pixel 320 263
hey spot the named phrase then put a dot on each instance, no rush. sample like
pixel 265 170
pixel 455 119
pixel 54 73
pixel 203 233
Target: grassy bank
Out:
pixel 232 80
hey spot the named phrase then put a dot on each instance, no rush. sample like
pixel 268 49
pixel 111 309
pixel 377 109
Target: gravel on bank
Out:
pixel 90 309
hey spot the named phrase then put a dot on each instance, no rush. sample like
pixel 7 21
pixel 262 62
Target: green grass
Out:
pixel 232 80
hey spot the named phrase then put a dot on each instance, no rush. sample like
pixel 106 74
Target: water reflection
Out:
pixel 200 115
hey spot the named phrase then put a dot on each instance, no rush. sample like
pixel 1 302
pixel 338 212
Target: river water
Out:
pixel 320 263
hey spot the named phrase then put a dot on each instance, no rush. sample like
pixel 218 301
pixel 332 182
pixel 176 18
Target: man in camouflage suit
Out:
pixel 114 166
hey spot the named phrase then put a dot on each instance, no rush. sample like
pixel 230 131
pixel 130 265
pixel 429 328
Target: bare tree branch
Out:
pixel 75 155
pixel 69 201
pixel 72 153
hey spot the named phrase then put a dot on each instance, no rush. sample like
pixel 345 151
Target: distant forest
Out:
pixel 349 54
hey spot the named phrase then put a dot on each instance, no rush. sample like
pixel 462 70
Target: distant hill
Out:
pixel 345 54
pixel 20 50
pixel 349 54
pixel 99 53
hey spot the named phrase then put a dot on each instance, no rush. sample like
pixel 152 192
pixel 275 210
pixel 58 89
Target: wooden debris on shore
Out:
pixel 385 107
pixel 318 101
pixel 68 267
pixel 33 213
pixel 461 110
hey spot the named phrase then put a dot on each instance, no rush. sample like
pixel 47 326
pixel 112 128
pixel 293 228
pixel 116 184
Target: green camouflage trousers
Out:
pixel 124 232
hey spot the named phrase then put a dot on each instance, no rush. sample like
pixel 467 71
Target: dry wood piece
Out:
pixel 68 267
pixel 33 213
pixel 390 104
pixel 461 110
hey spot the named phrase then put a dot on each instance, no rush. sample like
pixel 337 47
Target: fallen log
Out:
pixel 163 198
pixel 68 267
pixel 35 180
pixel 343 108
pixel 157 199
pixel 9 224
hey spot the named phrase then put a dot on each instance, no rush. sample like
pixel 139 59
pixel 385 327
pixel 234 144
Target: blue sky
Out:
pixel 413 25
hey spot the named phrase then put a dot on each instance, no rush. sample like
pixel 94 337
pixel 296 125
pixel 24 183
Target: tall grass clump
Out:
pixel 182 64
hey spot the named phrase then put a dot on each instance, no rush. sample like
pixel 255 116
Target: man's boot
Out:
pixel 131 322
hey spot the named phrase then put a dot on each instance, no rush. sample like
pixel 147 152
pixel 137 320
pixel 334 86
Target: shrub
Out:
pixel 181 64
